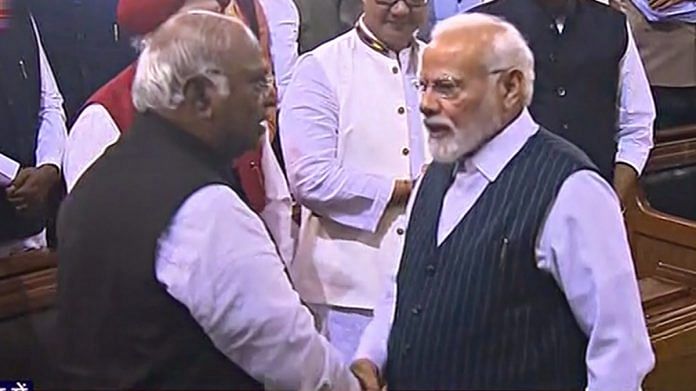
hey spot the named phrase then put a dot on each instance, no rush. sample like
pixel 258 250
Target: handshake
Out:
pixel 368 375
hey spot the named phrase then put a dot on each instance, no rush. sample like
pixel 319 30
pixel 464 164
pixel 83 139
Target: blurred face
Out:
pixel 461 100
pixel 394 21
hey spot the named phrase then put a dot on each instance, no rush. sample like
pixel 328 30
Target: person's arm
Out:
pixel 217 259
pixel 52 129
pixel 93 131
pixel 583 244
pixel 284 26
pixel 31 187
pixel 371 355
pixel 277 215
pixel 318 180
pixel 636 118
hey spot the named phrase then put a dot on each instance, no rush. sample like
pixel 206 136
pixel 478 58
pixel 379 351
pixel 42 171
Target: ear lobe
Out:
pixel 198 94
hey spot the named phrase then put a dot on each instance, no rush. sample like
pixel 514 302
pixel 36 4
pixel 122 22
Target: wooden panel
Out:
pixel 664 251
pixel 27 262
pixel 27 283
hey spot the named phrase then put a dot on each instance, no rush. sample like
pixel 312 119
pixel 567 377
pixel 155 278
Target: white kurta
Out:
pixel 350 128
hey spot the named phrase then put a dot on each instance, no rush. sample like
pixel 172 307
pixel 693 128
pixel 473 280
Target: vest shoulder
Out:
pixel 555 145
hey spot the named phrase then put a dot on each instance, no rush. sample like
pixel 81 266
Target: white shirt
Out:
pixel 51 137
pixel 582 244
pixel 217 259
pixel 284 25
pixel 95 130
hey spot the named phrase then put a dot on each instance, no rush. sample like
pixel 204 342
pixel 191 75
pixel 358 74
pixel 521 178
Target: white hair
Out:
pixel 509 49
pixel 195 47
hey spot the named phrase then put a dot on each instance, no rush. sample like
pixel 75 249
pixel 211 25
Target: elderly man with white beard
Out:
pixel 516 271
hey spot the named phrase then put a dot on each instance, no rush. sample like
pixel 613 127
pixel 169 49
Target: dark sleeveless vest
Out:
pixel 475 313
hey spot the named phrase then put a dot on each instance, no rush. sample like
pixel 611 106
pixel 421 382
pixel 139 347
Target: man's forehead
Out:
pixel 456 52
pixel 442 58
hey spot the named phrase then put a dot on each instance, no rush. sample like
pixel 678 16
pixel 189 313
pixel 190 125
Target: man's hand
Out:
pixel 367 373
pixel 29 191
pixel 401 192
pixel 661 5
pixel 625 178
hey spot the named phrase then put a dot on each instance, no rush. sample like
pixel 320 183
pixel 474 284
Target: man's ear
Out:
pixel 512 83
pixel 199 93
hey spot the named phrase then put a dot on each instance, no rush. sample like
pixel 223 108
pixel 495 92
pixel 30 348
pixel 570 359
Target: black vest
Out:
pixel 577 71
pixel 117 326
pixel 20 89
pixel 476 313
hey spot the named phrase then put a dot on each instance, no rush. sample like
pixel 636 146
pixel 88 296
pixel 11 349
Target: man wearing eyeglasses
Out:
pixel 516 272
pixel 354 141
pixel 591 87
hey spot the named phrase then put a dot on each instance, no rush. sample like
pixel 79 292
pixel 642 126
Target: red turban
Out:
pixel 144 16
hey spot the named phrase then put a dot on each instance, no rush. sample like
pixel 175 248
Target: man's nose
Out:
pixel 400 9
pixel 430 104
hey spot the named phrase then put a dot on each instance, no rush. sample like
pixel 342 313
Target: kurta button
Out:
pixel 252 164
pixel 395 70
pixel 561 91
pixel 401 110
pixel 399 231
pixel 405 151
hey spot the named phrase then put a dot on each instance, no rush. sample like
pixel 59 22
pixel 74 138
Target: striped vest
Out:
pixel 476 312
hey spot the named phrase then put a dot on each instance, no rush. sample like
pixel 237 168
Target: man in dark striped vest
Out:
pixel 516 272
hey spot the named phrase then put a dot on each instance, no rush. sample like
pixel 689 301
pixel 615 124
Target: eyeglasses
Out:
pixel 449 87
pixel 409 3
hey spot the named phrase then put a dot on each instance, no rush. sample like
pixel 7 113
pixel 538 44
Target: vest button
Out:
pixel 565 126
pixel 561 91
pixel 407 348
pixel 252 164
pixel 416 310
pixel 552 57
pixel 405 151
pixel 400 231
pixel 401 110
pixel 430 269
pixel 395 70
